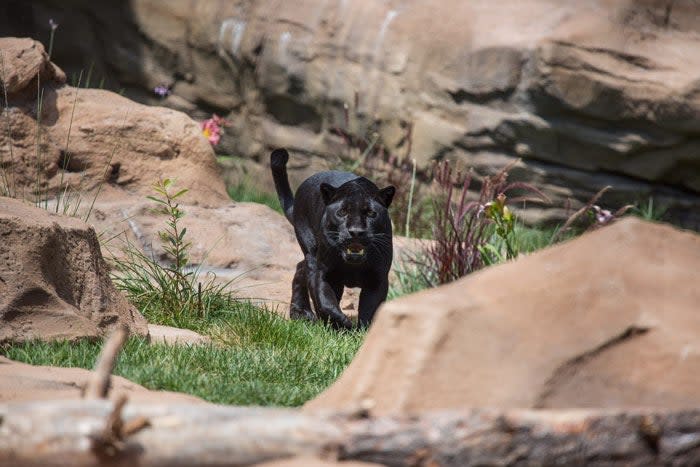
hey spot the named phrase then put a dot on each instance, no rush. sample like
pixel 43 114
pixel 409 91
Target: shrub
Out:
pixel 463 228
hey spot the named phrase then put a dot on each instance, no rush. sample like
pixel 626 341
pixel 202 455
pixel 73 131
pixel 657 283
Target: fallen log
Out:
pixel 64 432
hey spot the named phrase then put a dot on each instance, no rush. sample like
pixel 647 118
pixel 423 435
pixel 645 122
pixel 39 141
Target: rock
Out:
pixel 54 283
pixel 170 335
pixel 608 320
pixel 248 244
pixel 91 139
pixel 23 60
pixel 599 91
pixel 21 382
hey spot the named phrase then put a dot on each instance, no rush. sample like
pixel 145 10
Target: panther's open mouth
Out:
pixel 354 253
pixel 355 249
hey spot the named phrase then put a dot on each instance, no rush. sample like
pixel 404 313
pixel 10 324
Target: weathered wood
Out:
pixel 99 384
pixel 60 432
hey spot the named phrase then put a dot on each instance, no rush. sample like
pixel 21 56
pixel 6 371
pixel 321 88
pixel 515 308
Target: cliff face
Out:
pixel 586 93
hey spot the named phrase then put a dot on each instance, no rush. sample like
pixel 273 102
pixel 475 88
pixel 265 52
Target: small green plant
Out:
pixel 173 237
pixel 407 280
pixel 174 293
pixel 648 211
pixel 504 220
pixel 8 187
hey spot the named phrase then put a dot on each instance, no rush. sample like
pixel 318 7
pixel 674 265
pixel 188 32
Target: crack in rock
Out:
pixel 570 367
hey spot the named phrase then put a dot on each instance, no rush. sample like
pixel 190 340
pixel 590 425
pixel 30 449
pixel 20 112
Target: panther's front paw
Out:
pixel 300 313
pixel 342 323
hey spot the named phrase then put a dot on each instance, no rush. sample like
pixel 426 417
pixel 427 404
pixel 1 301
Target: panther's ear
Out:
pixel 386 195
pixel 327 192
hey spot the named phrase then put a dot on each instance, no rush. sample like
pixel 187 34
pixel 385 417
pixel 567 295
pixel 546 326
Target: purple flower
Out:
pixel 162 90
pixel 53 24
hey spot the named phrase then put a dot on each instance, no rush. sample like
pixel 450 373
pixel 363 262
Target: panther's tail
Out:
pixel 278 164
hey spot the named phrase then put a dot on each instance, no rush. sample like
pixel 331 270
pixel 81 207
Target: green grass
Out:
pixel 258 358
pixel 244 191
pixel 529 239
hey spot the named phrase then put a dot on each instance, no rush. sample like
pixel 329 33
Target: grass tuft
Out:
pixel 244 191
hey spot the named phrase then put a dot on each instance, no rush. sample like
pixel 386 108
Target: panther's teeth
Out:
pixel 350 251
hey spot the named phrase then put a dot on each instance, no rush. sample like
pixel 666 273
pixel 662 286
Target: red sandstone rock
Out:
pixel 607 320
pixel 54 283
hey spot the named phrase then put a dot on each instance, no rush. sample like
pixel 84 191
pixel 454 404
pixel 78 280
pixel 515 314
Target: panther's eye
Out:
pixel 342 212
pixel 371 213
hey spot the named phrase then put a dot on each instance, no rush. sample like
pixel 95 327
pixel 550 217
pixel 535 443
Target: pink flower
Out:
pixel 212 128
pixel 602 216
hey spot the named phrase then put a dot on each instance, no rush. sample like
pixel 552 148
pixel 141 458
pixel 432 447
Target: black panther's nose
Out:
pixel 357 232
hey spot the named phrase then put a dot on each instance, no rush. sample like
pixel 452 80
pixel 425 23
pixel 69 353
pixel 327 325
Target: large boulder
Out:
pixel 586 93
pixel 608 320
pixel 54 283
pixel 92 140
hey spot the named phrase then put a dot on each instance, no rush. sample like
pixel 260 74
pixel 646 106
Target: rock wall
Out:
pixel 586 93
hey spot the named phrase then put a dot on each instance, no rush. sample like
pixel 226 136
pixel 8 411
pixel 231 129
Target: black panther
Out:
pixel 342 224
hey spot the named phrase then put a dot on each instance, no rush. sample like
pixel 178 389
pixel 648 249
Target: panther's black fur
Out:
pixel 342 224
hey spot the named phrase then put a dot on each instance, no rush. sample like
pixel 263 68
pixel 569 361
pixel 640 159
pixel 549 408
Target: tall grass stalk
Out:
pixel 104 172
pixel 65 161
pixel 53 25
pixel 410 200
pixel 88 79
pixel 8 186
pixel 39 154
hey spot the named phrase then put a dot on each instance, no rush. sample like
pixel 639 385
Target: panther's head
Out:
pixel 356 219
